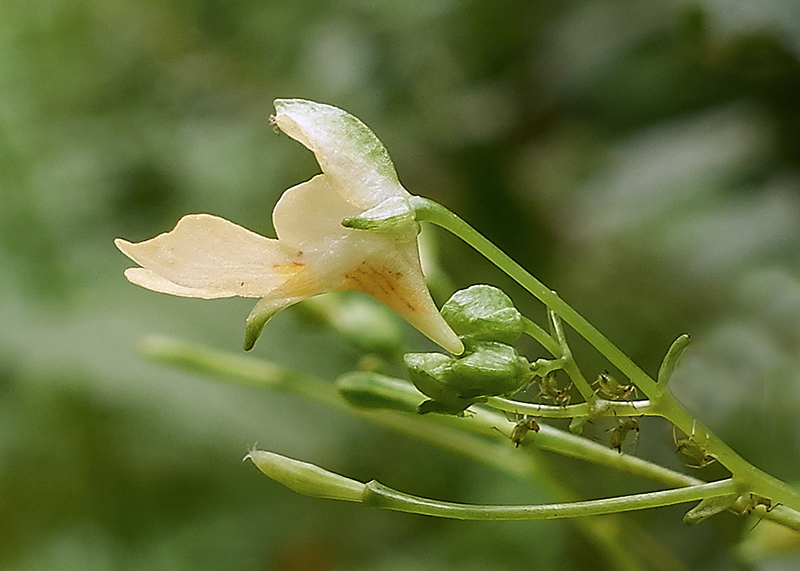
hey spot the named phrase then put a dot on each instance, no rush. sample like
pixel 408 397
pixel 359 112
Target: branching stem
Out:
pixel 430 211
pixel 747 477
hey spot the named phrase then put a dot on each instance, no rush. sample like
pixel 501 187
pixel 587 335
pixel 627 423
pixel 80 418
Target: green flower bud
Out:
pixel 307 479
pixel 485 313
pixel 429 373
pixel 367 390
pixel 577 423
pixel 489 369
pixel 453 383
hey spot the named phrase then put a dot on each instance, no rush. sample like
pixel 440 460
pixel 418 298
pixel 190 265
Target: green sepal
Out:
pixel 392 216
pixel 483 312
pixel 674 354
pixel 455 407
pixel 707 508
pixel 260 315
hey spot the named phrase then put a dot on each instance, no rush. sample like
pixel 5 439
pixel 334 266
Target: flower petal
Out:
pixel 310 214
pixel 154 282
pixel 357 164
pixel 394 277
pixel 209 257
pixel 385 266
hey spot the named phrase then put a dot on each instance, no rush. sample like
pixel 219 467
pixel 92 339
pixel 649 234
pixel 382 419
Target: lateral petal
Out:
pixel 209 257
pixel 310 214
pixel 150 280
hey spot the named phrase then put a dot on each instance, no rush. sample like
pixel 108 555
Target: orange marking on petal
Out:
pixel 299 280
pixel 383 284
pixel 290 269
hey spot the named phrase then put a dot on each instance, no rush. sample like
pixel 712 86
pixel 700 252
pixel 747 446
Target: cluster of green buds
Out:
pixel 488 324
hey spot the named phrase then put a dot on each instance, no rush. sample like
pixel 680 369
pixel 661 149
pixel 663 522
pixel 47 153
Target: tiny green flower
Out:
pixel 208 257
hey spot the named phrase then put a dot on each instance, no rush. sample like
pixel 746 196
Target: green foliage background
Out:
pixel 639 156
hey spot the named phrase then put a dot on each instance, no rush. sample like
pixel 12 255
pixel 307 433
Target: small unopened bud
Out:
pixel 490 369
pixel 674 355
pixel 367 390
pixel 484 313
pixel 430 374
pixel 577 423
pixel 709 507
pixel 486 369
pixel 305 478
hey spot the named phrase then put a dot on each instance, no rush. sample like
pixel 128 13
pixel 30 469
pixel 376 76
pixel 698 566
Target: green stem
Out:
pixel 465 436
pixel 447 432
pixel 599 408
pixel 570 366
pixel 542 337
pixel 552 439
pixel 748 477
pixel 379 496
pixel 371 391
pixel 430 211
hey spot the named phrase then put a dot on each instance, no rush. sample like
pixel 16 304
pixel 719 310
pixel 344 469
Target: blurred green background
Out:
pixel 639 156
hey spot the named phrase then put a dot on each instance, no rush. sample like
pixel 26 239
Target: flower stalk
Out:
pixel 311 480
pixel 430 211
pixel 379 496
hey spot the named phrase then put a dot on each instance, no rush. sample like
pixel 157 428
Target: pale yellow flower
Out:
pixel 209 257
